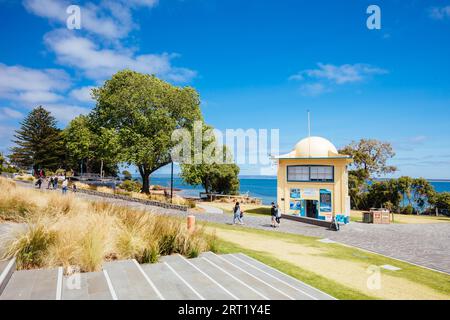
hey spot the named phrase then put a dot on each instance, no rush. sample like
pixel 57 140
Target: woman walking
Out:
pixel 237 214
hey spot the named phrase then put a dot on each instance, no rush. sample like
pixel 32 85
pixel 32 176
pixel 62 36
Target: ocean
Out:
pixel 263 187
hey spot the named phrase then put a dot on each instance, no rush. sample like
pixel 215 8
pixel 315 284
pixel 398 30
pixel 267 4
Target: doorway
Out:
pixel 311 208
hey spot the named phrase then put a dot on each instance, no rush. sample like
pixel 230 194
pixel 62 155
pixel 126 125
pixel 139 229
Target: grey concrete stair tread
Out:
pixel 128 281
pixel 264 288
pixel 90 286
pixel 170 286
pixel 226 278
pixel 287 284
pixel 32 285
pixel 206 287
pixel 7 267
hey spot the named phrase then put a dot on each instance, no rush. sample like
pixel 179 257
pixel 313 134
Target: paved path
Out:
pixel 210 209
pixel 422 244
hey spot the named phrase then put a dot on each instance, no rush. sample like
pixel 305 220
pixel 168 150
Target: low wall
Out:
pixel 127 198
pixel 321 223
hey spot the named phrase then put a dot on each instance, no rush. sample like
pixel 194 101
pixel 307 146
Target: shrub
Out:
pixel 31 247
pixel 409 209
pixel 131 186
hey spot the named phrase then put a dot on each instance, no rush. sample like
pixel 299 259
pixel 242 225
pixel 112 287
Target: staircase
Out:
pixel 208 277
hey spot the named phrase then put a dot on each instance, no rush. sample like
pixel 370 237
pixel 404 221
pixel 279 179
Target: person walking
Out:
pixel 39 182
pixel 65 185
pixel 273 215
pixel 55 182
pixel 50 183
pixel 237 214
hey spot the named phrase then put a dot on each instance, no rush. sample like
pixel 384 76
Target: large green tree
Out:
pixel 144 111
pixel 39 143
pixel 215 172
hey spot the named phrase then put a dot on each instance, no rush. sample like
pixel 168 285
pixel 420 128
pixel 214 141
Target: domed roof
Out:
pixel 314 147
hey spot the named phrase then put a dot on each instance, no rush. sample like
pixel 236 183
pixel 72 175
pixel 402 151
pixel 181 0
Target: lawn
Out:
pixel 356 216
pixel 338 270
pixel 249 209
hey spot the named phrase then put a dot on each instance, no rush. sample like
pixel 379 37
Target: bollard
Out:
pixel 191 223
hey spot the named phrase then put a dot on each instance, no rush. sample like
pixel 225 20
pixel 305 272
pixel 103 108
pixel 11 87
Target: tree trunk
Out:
pixel 101 169
pixel 145 175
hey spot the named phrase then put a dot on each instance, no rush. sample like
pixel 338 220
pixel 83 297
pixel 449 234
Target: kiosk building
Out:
pixel 312 181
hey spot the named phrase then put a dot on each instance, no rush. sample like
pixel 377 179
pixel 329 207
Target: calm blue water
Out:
pixel 264 188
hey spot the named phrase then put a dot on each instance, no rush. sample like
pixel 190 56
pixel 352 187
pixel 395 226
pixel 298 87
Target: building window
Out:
pixel 321 173
pixel 298 173
pixel 310 173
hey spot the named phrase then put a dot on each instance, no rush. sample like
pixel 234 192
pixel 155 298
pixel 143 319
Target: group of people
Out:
pixel 238 215
pixel 52 183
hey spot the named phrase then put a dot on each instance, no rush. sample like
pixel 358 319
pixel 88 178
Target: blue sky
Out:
pixel 256 64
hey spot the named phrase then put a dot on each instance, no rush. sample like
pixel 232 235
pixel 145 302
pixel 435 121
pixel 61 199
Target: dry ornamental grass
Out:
pixel 50 229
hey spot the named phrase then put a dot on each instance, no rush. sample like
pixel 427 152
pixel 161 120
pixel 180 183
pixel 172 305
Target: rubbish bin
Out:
pixel 367 217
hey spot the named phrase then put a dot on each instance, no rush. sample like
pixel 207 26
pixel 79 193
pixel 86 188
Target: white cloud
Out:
pixel 325 76
pixel 65 113
pixel 313 89
pixel 439 13
pixel 97 63
pixel 82 94
pixel 32 85
pixel 342 74
pixel 8 113
pixel 109 19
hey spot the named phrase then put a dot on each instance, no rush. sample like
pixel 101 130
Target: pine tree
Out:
pixel 39 142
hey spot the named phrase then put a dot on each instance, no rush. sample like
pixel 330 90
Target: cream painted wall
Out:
pixel 339 187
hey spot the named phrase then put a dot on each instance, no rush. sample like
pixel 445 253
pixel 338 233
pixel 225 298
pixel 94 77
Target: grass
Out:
pixel 249 209
pixel 339 270
pixel 356 216
pixel 56 230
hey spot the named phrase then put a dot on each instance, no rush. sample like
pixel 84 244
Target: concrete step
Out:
pixel 129 282
pixel 86 286
pixel 169 283
pixel 204 285
pixel 228 279
pixel 259 283
pixel 7 268
pixel 289 285
pixel 41 284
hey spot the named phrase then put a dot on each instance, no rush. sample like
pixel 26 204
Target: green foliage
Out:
pixel 441 201
pixel 144 111
pixel 371 156
pixel 127 175
pixel 131 186
pixel 39 143
pixel 91 145
pixel 409 209
pixel 403 195
pixel 216 173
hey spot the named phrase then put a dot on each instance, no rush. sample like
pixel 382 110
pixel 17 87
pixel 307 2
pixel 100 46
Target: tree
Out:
pixel 370 156
pixel 144 111
pixel 441 201
pixel 39 142
pixel 216 172
pixel 85 145
pixel 79 140
pixel 423 192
